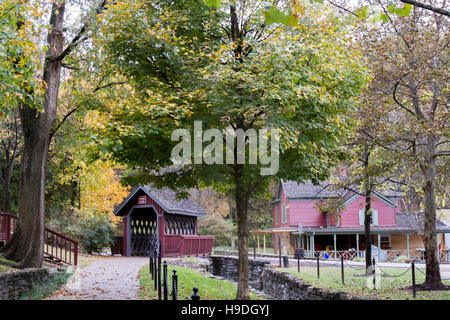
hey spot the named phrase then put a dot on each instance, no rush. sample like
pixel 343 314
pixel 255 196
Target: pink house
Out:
pixel 299 224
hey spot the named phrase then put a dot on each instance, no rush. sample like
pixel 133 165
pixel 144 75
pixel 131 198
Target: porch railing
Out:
pixel 388 255
pixel 56 245
pixel 187 245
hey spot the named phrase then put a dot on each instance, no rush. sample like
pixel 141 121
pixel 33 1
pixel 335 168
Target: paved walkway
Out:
pixel 108 278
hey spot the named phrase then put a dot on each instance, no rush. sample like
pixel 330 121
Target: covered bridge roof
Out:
pixel 167 199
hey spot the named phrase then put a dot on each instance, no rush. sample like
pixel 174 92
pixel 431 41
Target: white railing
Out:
pixel 381 255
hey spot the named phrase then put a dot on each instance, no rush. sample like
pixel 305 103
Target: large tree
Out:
pixel 37 103
pixel 409 56
pixel 185 61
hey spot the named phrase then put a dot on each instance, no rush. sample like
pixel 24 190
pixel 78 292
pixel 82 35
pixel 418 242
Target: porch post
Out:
pixel 334 245
pixel 264 237
pixel 437 247
pixel 257 241
pixel 379 246
pixel 313 245
pixel 407 244
pixel 357 244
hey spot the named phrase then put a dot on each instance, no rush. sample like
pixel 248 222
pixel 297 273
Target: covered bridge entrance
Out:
pixel 151 215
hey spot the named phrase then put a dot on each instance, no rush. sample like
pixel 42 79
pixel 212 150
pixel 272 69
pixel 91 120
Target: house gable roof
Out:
pixel 307 190
pixel 167 199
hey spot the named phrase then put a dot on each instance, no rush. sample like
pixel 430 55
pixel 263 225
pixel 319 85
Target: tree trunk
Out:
pixel 367 234
pixel 242 221
pixel 27 244
pixel 367 212
pixel 433 275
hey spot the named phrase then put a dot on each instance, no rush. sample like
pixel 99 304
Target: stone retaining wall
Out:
pixel 227 267
pixel 15 284
pixel 276 283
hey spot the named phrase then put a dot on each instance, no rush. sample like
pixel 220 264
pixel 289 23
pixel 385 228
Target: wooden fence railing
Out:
pixel 187 245
pixel 56 245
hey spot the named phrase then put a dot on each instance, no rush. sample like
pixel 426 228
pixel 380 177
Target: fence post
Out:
pixel 8 228
pixel 151 262
pixel 159 274
pixel 195 296
pixel 373 273
pixel 254 249
pixel 75 255
pixel 165 288
pixel 175 285
pixel 413 278
pixel 318 264
pixel 342 269
pixel 155 268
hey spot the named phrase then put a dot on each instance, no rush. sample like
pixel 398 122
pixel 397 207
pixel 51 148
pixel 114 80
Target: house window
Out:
pixel 284 213
pixel 385 241
pixel 276 215
pixel 374 217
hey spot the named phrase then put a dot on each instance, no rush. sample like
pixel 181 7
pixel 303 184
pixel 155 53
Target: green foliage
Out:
pixel 195 74
pixel 401 259
pixel 19 56
pixel 214 224
pixel 47 288
pixel 97 233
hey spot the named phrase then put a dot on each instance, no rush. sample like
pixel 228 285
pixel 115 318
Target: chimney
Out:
pixel 343 172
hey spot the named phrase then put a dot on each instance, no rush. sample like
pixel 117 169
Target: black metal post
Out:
pixel 342 269
pixel 159 274
pixel 279 249
pixel 318 264
pixel 175 285
pixel 195 296
pixel 150 264
pixel 155 266
pixel 165 287
pixel 373 273
pixel 254 249
pixel 413 269
pixel 298 262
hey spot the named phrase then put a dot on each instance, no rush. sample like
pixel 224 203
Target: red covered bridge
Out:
pixel 149 213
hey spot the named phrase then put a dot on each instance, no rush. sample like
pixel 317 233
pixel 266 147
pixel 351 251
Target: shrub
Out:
pixel 401 259
pixel 97 233
pixel 359 259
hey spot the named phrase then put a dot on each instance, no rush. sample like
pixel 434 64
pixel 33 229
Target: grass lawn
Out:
pixel 209 288
pixel 390 287
pixel 6 265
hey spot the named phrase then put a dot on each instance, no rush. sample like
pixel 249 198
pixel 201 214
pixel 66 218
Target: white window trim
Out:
pixel 284 213
pixel 374 217
pixel 276 214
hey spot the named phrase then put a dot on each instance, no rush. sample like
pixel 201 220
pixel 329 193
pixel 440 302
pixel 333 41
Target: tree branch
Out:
pixel 79 37
pixel 427 7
